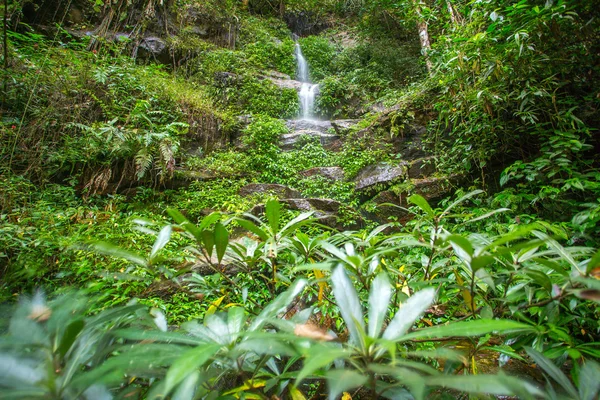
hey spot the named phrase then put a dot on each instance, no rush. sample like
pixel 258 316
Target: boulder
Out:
pixel 432 189
pixel 325 205
pixel 153 47
pixel 283 83
pixel 304 127
pixel 341 126
pixel 331 173
pixel 325 211
pixel 421 168
pixel 289 140
pixel 381 173
pixel 280 191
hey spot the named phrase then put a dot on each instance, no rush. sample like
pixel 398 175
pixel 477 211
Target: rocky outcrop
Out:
pixel 331 173
pixel 304 23
pixel 284 83
pixel 280 191
pixel 387 205
pixel 421 168
pixel 342 126
pixel 382 173
pixel 299 128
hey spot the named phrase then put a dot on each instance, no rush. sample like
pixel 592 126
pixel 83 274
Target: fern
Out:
pixel 143 161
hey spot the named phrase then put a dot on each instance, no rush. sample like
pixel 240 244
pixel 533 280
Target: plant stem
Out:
pixel 5 37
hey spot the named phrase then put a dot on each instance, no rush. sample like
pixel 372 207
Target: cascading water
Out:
pixel 308 91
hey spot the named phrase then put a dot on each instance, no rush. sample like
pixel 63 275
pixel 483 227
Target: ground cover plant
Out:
pixel 169 228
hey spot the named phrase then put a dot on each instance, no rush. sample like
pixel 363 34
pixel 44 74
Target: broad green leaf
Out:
pixel 208 239
pixel 187 388
pixel 553 371
pixel 221 240
pixel 251 226
pixel 379 298
pixel 296 394
pixel 341 380
pixel 467 328
pixel 560 250
pixel 236 317
pixel 481 261
pixel 589 381
pixel 462 247
pixel 163 238
pixel 499 385
pixel 408 313
pixel 594 262
pixel 487 215
pixel 69 336
pixel 460 200
pixel 109 249
pixel 319 356
pixel 420 201
pixel 188 363
pixel 278 305
pixel 273 212
pixel 267 345
pixel 294 224
pixel 166 337
pixel 349 304
pixel 209 220
pixel 177 216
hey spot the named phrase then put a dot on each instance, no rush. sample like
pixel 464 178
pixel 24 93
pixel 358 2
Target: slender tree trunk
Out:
pixel 455 16
pixel 5 43
pixel 423 35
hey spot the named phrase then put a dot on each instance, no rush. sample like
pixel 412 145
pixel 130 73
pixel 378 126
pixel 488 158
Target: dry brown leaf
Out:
pixel 312 332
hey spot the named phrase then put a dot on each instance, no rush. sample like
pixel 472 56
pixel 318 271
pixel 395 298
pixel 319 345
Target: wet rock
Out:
pixel 289 140
pixel 303 23
pixel 283 83
pixel 331 173
pixel 313 128
pixel 381 173
pixel 308 124
pixel 280 191
pixel 341 126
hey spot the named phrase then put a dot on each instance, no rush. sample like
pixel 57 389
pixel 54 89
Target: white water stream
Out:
pixel 308 91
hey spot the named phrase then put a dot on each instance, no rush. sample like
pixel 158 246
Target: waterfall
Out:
pixel 308 91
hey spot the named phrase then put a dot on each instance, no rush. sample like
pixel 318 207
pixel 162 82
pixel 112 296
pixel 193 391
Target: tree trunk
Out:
pixel 423 36
pixel 455 16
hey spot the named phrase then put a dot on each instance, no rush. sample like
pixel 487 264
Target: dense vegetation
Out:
pixel 138 259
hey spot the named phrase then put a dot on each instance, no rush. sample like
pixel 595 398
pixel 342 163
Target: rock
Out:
pixel 305 23
pixel 421 168
pixel 153 47
pixel 341 126
pixel 280 191
pixel 331 173
pixel 284 83
pixel 226 78
pixel 381 213
pixel 308 124
pixel 432 189
pixel 275 74
pixel 381 173
pixel 289 140
pixel 326 205
pixel 326 211
pixel 314 128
